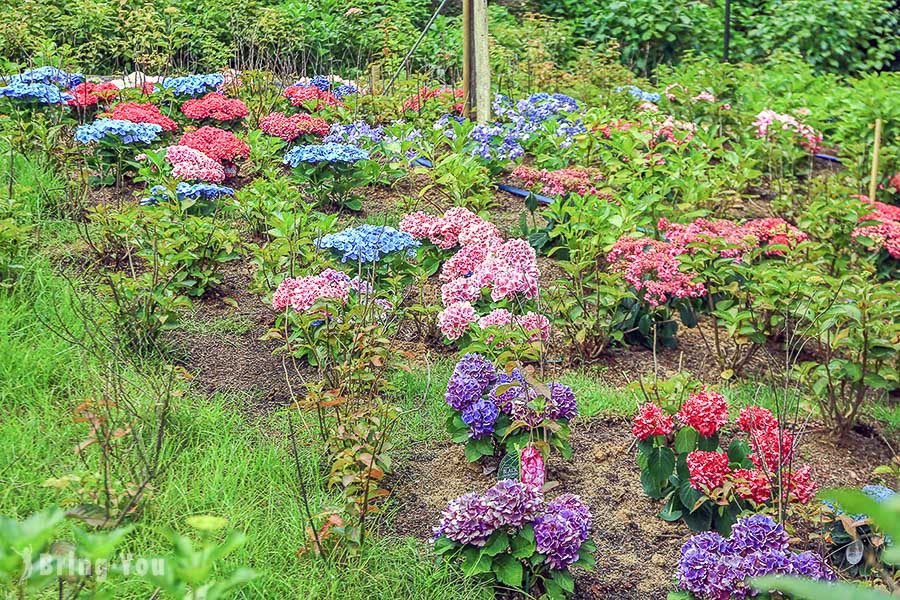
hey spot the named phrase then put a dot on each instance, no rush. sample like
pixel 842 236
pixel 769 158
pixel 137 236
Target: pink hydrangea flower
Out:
pixel 531 467
pixel 193 165
pixel 454 321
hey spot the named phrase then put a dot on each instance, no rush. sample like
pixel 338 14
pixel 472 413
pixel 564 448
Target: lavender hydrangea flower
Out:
pixel 354 133
pixel 504 398
pixel 368 243
pixel 561 529
pixel 480 416
pixel 462 391
pixel 757 533
pixel 478 368
pixel 513 503
pixel 467 520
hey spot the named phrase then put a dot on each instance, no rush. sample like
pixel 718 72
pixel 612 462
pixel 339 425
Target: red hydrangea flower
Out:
pixel 885 232
pixel 290 127
pixel 311 97
pixel 798 485
pixel 141 113
pixel 651 420
pixel 216 143
pixel 706 411
pixel 214 106
pixel 89 94
pixel 751 485
pixel 708 470
pixel 771 447
pixel 756 418
pixel 448 96
pixel 895 182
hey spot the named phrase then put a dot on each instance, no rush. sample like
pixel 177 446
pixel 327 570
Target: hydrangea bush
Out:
pixel 496 411
pixel 510 536
pixel 332 171
pixel 682 462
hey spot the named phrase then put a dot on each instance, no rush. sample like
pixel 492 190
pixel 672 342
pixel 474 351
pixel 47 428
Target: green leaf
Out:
pixel 523 545
pixel 686 440
pixel 508 570
pixel 660 464
pixel 671 512
pixel 475 562
pixel 564 580
pixel 806 589
pixel 497 543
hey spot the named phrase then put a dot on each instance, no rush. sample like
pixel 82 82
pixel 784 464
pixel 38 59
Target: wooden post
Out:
pixel 873 180
pixel 476 61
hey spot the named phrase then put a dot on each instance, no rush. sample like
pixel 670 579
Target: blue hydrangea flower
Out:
pixel 46 75
pixel 480 416
pixel 202 191
pixel 354 133
pixel 126 131
pixel 321 82
pixel 463 391
pixel 158 193
pixel 638 93
pixel 344 90
pixel 193 85
pixel 368 243
pixel 42 93
pixel 330 153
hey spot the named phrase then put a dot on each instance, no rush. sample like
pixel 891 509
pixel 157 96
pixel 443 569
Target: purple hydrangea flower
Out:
pixel 561 529
pixel 810 564
pixel 478 368
pixel 757 533
pixel 513 503
pixel 467 520
pixel 462 391
pixel 562 402
pixel 480 417
pixel 504 399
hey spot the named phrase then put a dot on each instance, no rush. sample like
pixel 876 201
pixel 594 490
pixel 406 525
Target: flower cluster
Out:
pixel 46 76
pixel 715 568
pixel 89 94
pixel 651 420
pixel 40 93
pixel 883 232
pixel 193 85
pixel 809 137
pixel 345 89
pixel 445 96
pixel 368 243
pixel 311 97
pixel 472 519
pixel 193 165
pixel 561 529
pixel 708 470
pixel 325 153
pixel 125 132
pixel 187 191
pixel 302 293
pixel 583 182
pixel 141 113
pixel 218 144
pixel 290 127
pixel 638 93
pixel 735 240
pixel 214 106
pixel 706 411
pixel 355 133
pixel 652 267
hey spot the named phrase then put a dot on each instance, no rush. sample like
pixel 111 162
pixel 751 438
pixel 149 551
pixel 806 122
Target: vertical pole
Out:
pixel 873 180
pixel 481 61
pixel 727 30
pixel 468 89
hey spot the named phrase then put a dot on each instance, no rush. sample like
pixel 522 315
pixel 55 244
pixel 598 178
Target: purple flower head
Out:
pixel 478 368
pixel 562 402
pixel 513 503
pixel 503 398
pixel 467 520
pixel 561 529
pixel 810 564
pixel 480 417
pixel 757 533
pixel 462 391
